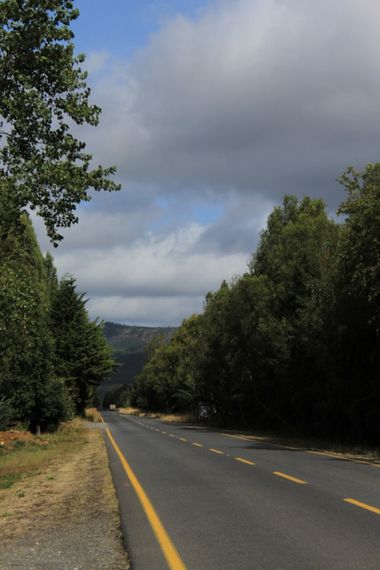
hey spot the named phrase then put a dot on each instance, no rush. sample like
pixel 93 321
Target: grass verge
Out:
pixel 27 455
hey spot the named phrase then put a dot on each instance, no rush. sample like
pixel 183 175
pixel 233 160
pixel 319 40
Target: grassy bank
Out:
pixel 23 455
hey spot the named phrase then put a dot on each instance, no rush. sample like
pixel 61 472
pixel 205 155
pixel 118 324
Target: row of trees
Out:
pixel 293 344
pixel 52 355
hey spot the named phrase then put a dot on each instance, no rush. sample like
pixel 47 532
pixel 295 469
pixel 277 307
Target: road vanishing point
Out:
pixel 198 499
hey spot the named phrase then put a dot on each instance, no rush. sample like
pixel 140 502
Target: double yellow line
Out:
pixel 169 551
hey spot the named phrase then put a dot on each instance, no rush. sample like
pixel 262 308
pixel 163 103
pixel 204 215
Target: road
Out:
pixel 227 502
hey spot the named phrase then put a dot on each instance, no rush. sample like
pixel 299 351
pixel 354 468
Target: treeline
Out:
pixel 52 356
pixel 293 344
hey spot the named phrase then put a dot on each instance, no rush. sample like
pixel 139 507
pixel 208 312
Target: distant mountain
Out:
pixel 129 345
pixel 126 338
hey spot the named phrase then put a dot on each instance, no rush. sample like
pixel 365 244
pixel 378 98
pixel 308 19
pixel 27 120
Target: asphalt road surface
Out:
pixel 195 498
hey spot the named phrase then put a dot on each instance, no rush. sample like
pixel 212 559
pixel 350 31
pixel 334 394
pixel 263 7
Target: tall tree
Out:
pixel 82 356
pixel 357 304
pixel 43 90
pixel 27 381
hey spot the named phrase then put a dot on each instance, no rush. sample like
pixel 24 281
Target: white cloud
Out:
pixel 155 267
pixel 258 96
pixel 146 311
pixel 253 99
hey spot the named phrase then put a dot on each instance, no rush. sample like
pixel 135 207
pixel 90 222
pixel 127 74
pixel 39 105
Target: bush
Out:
pixel 55 404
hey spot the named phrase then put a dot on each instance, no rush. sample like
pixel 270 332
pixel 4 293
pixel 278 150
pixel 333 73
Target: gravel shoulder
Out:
pixel 65 517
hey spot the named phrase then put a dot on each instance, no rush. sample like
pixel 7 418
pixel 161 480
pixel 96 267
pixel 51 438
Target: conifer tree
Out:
pixel 82 356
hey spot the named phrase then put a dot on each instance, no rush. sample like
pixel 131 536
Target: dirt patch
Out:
pixel 9 439
pixel 65 517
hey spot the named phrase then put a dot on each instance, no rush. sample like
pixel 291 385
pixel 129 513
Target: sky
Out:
pixel 212 111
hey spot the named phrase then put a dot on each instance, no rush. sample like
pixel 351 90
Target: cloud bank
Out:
pixel 210 125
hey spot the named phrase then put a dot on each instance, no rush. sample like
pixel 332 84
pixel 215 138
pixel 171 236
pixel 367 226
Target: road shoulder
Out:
pixel 64 517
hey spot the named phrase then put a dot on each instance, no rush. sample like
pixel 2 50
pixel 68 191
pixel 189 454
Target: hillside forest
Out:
pixel 131 346
pixel 291 346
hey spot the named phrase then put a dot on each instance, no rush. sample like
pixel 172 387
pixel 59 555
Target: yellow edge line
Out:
pixel 216 451
pixel 363 505
pixel 244 461
pixel 172 557
pixel 294 479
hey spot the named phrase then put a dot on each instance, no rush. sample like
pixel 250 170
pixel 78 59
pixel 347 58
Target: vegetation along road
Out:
pixel 199 499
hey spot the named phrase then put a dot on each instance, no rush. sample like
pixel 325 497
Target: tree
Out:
pixel 82 356
pixel 357 304
pixel 28 388
pixel 361 239
pixel 43 89
pixel 168 380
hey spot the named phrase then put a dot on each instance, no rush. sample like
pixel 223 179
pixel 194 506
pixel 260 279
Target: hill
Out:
pixel 129 345
pixel 126 339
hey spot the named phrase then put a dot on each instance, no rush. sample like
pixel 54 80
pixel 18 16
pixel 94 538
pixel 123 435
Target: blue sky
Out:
pixel 123 26
pixel 212 111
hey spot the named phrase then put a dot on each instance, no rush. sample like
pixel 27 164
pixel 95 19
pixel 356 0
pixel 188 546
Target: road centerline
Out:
pixel 290 478
pixel 246 461
pixel 363 505
pixel 216 451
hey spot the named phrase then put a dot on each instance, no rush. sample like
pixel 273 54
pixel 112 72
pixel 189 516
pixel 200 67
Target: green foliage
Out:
pixel 43 90
pixel 55 403
pixel 360 252
pixel 292 345
pixel 6 413
pixel 82 356
pixel 167 380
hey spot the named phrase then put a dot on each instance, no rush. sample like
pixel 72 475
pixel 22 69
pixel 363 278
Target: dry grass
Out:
pixel 92 415
pixel 62 511
pixel 171 418
pixel 24 454
pixel 71 485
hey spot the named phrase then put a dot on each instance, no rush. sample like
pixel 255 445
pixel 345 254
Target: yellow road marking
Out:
pixel 297 448
pixel 169 551
pixel 197 444
pixel 182 438
pixel 237 436
pixel 294 479
pixel 244 461
pixel 363 506
pixel 216 451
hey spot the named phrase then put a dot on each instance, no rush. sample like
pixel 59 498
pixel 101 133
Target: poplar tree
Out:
pixel 29 389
